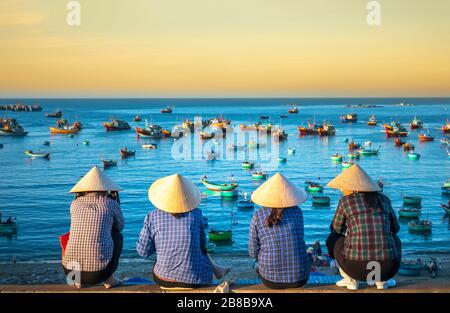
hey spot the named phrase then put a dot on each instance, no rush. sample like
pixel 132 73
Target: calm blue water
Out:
pixel 35 191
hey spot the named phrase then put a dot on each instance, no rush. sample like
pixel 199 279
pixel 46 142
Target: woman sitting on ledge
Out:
pixel 96 221
pixel 175 231
pixel 277 235
pixel 364 229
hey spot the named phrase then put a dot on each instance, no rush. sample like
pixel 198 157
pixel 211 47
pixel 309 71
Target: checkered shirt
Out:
pixel 92 218
pixel 178 243
pixel 369 231
pixel 280 250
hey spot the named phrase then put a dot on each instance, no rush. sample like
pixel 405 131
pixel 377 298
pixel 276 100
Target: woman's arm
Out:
pixel 146 244
pixel 253 242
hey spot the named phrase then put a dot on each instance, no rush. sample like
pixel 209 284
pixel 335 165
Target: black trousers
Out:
pixel 97 277
pixel 358 269
pixel 273 285
pixel 173 284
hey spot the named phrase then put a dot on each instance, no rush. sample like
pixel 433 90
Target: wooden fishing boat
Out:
pixel 166 110
pixel 56 114
pixel 10 127
pixel 116 125
pixel 446 128
pixel 412 200
pixel 137 118
pixel 415 123
pixel 63 131
pixel 326 129
pixel 258 175
pixel 347 164
pixel 291 151
pixel 349 118
pixel 218 187
pixel 248 165
pixel 293 110
pixel 353 146
pixel 321 200
pixel 421 226
pixel 220 235
pixel 409 212
pixel 125 153
pixel 77 125
pixel 408 146
pixel 413 156
pixel 372 121
pixel 32 154
pixel 166 133
pixel 150 131
pixel 353 155
pixel 337 157
pixel 311 129
pixel 8 226
pixel 363 151
pixel 109 163
pixel 229 193
pixel 280 134
pixel 245 204
pixel 398 142
pixel 425 137
pixel 410 269
pixel 396 132
pixel 150 146
pixel 313 186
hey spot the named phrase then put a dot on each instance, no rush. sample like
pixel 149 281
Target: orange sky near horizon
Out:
pixel 205 48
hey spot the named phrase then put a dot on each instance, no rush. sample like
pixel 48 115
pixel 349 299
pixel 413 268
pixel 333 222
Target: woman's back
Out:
pixel 280 249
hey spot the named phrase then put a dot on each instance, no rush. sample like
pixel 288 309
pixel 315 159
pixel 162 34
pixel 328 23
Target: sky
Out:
pixel 224 48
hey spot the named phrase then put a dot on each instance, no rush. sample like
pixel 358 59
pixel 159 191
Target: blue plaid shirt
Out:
pixel 280 250
pixel 178 243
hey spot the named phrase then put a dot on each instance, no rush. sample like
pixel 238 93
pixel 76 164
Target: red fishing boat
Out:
pixel 398 142
pixel 116 125
pixel 425 137
pixel 446 128
pixel 311 129
pixel 326 130
pixel 408 146
pixel 125 153
pixel 109 163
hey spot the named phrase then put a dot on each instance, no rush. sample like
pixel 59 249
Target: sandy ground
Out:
pixel 35 274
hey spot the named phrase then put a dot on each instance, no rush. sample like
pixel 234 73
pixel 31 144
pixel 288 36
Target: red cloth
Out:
pixel 63 240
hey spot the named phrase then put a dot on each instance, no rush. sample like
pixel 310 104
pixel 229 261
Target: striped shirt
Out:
pixel 369 231
pixel 178 243
pixel 92 218
pixel 280 250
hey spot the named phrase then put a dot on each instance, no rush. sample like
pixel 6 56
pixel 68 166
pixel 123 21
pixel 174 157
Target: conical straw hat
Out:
pixel 174 194
pixel 278 192
pixel 354 179
pixel 95 180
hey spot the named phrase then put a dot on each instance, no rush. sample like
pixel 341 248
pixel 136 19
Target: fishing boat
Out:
pixel 137 118
pixel 365 151
pixel 220 235
pixel 326 129
pixel 150 146
pixel 408 146
pixel 280 134
pixel 446 128
pixel 166 110
pixel 313 186
pixel 421 226
pixel 259 175
pixel 77 125
pixel 396 132
pixel 410 269
pixel 293 109
pixel 398 142
pixel 347 164
pixel 229 193
pixel 321 200
pixel 409 212
pixel 217 186
pixel 412 200
pixel 56 114
pixel 38 154
pixel 353 146
pixel 248 165
pixel 116 125
pixel 311 129
pixel 337 157
pixel 353 155
pixel 245 204
pixel 425 137
pixel 125 153
pixel 291 151
pixel 166 133
pixel 109 163
pixel 282 160
pixel 372 121
pixel 413 156
pixel 264 117
pixel 415 123
pixel 8 226
pixel 447 184
pixel 206 136
pixel 150 131
pixel 349 118
pixel 10 127
pixel 63 131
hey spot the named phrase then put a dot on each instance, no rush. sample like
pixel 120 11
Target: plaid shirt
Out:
pixel 178 243
pixel 92 218
pixel 280 250
pixel 369 231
